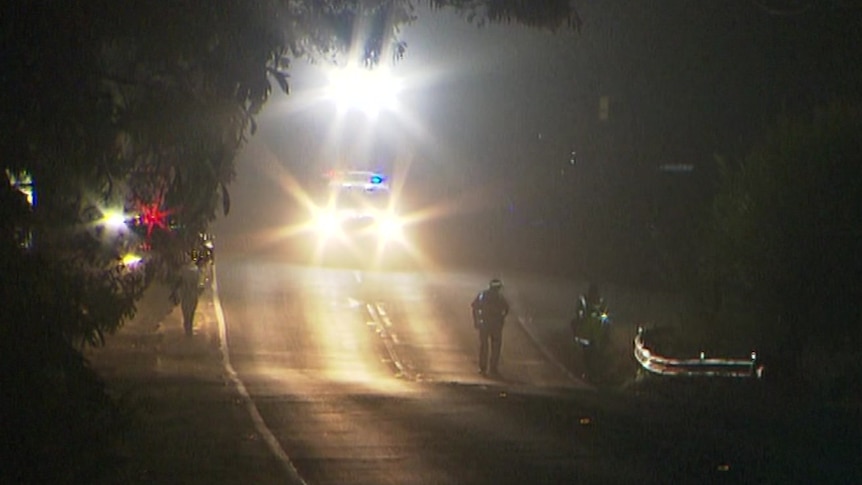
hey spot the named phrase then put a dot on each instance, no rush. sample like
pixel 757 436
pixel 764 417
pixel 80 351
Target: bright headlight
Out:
pixel 327 223
pixel 390 228
pixel 370 91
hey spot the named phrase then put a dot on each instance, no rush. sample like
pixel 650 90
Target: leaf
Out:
pixel 225 199
pixel 281 79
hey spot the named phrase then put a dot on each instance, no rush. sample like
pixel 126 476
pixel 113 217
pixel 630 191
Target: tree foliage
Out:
pixel 545 14
pixel 803 7
pixel 784 248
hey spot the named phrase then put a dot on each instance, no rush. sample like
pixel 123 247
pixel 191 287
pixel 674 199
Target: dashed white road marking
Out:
pixel 382 322
pixel 259 424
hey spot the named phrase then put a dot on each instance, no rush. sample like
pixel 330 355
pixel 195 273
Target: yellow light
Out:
pixel 23 181
pixel 131 260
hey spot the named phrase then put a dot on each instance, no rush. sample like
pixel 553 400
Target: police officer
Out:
pixel 189 291
pixel 489 312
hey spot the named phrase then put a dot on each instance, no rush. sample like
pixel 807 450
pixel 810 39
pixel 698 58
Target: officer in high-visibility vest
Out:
pixel 590 315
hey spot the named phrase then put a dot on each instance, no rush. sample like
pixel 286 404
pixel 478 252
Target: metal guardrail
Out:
pixel 702 366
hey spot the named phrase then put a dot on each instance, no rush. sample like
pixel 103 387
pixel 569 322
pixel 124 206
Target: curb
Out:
pixel 186 422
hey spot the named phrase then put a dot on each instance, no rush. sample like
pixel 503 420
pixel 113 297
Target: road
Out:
pixel 369 377
pixel 359 376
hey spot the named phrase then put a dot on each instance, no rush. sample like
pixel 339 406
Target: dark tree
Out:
pixel 783 260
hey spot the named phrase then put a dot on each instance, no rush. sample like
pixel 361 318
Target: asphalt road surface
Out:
pixel 370 377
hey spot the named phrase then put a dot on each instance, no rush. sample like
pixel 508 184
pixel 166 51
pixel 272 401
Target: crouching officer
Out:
pixel 590 316
pixel 489 313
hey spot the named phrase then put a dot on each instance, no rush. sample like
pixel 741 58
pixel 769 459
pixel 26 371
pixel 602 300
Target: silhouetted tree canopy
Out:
pixel 783 253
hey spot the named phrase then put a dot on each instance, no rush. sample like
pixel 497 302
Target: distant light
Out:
pixel 676 167
pixel 376 179
pixel 114 220
pixel 604 108
pixel 23 182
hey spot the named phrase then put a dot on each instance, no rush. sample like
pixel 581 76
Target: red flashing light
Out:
pixel 152 216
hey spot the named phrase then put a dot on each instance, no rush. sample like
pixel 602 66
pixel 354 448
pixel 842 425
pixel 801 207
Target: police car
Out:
pixel 358 210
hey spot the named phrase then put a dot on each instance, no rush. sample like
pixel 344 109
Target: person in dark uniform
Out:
pixel 489 313
pixel 189 291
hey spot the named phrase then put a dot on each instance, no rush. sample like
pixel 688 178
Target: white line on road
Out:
pixel 257 419
pixel 525 323
pixel 381 320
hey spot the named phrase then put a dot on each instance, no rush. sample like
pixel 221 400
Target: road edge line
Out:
pixel 259 424
pixel 522 322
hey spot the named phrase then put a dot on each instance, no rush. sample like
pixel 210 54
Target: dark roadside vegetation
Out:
pixel 153 103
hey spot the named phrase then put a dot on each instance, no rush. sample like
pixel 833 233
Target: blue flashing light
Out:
pixel 376 179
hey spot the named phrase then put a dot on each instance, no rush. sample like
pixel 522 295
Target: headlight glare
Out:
pixel 327 224
pixel 390 228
